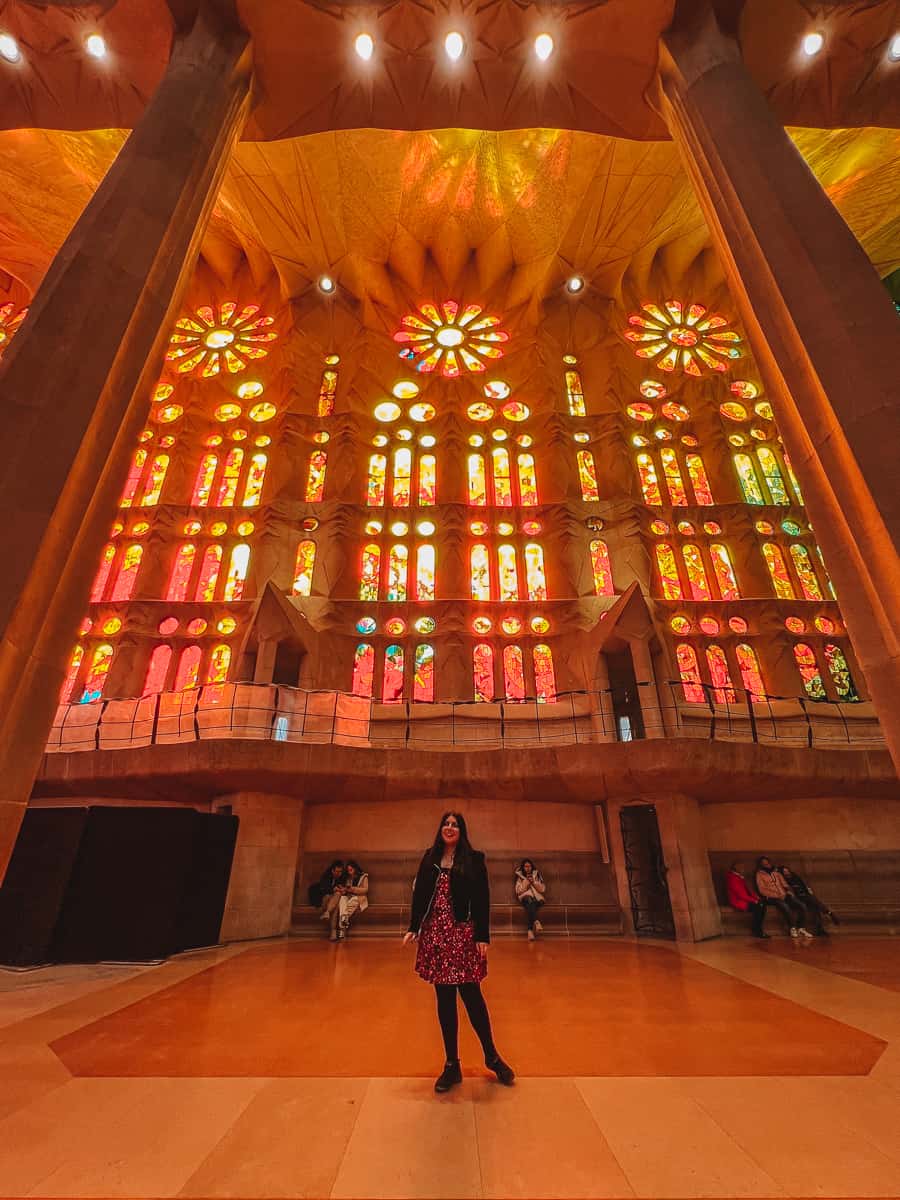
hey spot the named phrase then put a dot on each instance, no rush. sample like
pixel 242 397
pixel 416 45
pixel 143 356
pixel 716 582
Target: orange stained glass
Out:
pixel 649 481
pixel 544 675
pixel 155 479
pixel 507 572
pixel 97 672
pixel 805 573
pixel 781 580
pixel 102 576
pixel 840 674
pixel 188 669
pixel 502 482
pixel 327 391
pixel 219 661
pixel 689 673
pixel 402 475
pixel 601 568
pixel 668 571
pixel 747 477
pixel 427 493
pixel 229 481
pixel 255 479
pixel 398 563
pixel 237 572
pixel 128 573
pixel 392 684
pixel 750 676
pixel 772 475
pixel 204 481
pixel 513 673
pixel 423 679
pixel 724 572
pixel 534 572
pixel 477 483
pixel 699 480
pixel 182 568
pixel 587 473
pixel 303 568
pixel 696 572
pixel 575 394
pixel 363 670
pixel 528 493
pixel 134 478
pixel 425 565
pixel 68 686
pixel 793 478
pixel 370 571
pixel 809 671
pixel 483 665
pixel 723 692
pixel 480 572
pixel 375 485
pixel 672 473
pixel 157 670
pixel 209 573
pixel 315 478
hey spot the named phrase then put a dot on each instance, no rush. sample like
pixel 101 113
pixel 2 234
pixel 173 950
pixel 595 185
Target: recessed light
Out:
pixel 95 45
pixel 543 46
pixel 326 284
pixel 9 48
pixel 454 45
pixel 813 43
pixel 574 285
pixel 894 48
pixel 364 46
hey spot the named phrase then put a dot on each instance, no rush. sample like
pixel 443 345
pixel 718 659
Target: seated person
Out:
pixel 811 902
pixel 775 893
pixel 322 893
pixel 353 897
pixel 743 898
pixel 530 889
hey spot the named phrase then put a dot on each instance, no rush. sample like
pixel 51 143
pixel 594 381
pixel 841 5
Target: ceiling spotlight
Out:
pixel 326 284
pixel 9 48
pixel 812 44
pixel 543 46
pixel 894 48
pixel 95 45
pixel 364 46
pixel 574 285
pixel 454 44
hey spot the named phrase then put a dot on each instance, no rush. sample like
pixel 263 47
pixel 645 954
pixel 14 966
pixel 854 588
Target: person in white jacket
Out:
pixel 530 889
pixel 354 896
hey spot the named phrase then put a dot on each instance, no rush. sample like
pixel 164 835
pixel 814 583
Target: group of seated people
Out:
pixel 782 889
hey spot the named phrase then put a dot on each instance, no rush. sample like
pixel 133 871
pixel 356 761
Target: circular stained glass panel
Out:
pixel 737 624
pixel 511 626
pixel 686 528
pixel 712 527
pixel 496 389
pixel 652 389
pixel 765 527
pixel 795 625
pixel 422 412
pixel 227 625
pixel 791 527
pixel 743 389
pixel 539 625
pixel 387 411
pixel 659 527
pixel 113 625
pixel 196 627
pixel 482 625
pixel 823 624
pixel 514 410
pixel 425 625
pixel 709 626
pixel 680 625
pixel 405 389
pixel 395 627
pixel 262 412
pixel 675 412
pixel 640 412
pixel 168 625
pixel 228 412
pixel 366 625
pixel 250 390
pixel 733 411
pixel 764 409
pixel 480 411
pixel 479 528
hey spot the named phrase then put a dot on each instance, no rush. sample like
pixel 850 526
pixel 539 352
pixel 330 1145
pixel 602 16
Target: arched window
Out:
pixel 363 670
pixel 315 479
pixel 809 671
pixel 68 686
pixel 668 572
pixel 649 481
pixel 724 572
pixel 155 479
pixel 303 568
pixel 427 479
pixel 477 482
pixel 398 561
pixel 402 476
pixel 723 692
pixel 746 473
pixel 575 394
pixel 370 571
pixel 327 390
pixel 690 674
pixel 781 580
pixel 157 670
pixel 425 573
pixel 134 478
pixel 128 572
pixel 534 572
pixel 587 474
pixel 392 687
pixel 671 470
pixel 793 478
pixel 513 674
pixel 601 568
pixel 182 569
pixel 219 660
pixel 696 572
pixel 840 674
pixel 507 572
pixel 204 481
pixel 188 669
pixel 255 479
pixel 502 482
pixel 544 676
pixel 528 493
pixel 805 573
pixel 480 573
pixel 102 576
pixel 237 572
pixel 96 676
pixel 750 676
pixel 483 662
pixel 375 485
pixel 230 475
pixel 209 574
pixel 423 682
pixel 772 475
pixel 699 479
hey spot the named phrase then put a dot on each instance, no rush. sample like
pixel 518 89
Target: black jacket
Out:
pixel 470 895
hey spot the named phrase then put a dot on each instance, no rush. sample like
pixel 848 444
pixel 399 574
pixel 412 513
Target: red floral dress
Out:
pixel 447 952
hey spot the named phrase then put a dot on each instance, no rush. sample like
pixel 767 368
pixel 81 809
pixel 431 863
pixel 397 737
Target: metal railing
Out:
pixel 270 712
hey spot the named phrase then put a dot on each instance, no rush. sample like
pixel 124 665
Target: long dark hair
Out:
pixel 534 868
pixel 351 862
pixel 464 854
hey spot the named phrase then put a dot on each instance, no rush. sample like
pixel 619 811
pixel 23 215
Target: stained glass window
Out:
pixel 699 479
pixel 398 562
pixel 209 573
pixel 587 473
pixel 649 481
pixel 840 673
pixel 750 676
pixel 423 681
pixel 363 670
pixel 827 577
pixel 204 481
pixel 97 672
pixel 237 572
pixel 668 572
pixel 402 476
pixel 68 686
pixel 690 674
pixel 544 676
pixel 157 670
pixel 502 483
pixel 229 481
pixel 134 478
pixel 672 473
pixel 219 660
pixel 188 669
pixel 746 473
pixel 427 479
pixel 507 572
pixel 182 568
pixel 723 692
pixel 255 479
pixel 483 663
pixel 805 573
pixel 375 486
pixel 528 494
pixel 480 573
pixel 513 673
pixel 772 475
pixel 128 572
pixel 477 483
pixel 425 573
pixel 696 572
pixel 370 571
pixel 724 572
pixel 575 394
pixel 303 568
pixel 392 685
pixel 100 579
pixel 793 478
pixel 601 568
pixel 809 671
pixel 327 390
pixel 781 580
pixel 534 572
pixel 155 479
pixel 315 479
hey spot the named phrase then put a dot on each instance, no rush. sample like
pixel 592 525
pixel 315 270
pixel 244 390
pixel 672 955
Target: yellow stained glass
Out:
pixel 587 473
pixel 134 478
pixel 699 480
pixel 528 494
pixel 303 568
pixel 544 675
pixel 534 572
pixel 182 569
pixel 668 571
pixel 477 483
pixel 805 573
pixel 793 478
pixel 480 573
pixel 230 476
pixel 398 563
pixel 68 686
pixel 423 679
pixel 375 485
pixel 255 479
pixel 327 390
pixel 315 479
pixel 507 572
pixel 649 481
pixel 502 482
pixel 781 580
pixel 370 571
pixel 809 672
pixel 237 572
pixel 772 475
pixel 696 572
pixel 425 568
pixel 575 394
pixel 672 475
pixel 750 676
pixel 219 661
pixel 427 493
pixel 209 574
pixel 402 476
pixel 155 479
pixel 601 569
pixel 204 481
pixel 96 677
pixel 724 572
pixel 840 674
pixel 100 579
pixel 748 480
pixel 128 572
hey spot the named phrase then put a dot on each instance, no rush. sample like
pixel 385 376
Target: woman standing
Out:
pixel 530 889
pixel 450 917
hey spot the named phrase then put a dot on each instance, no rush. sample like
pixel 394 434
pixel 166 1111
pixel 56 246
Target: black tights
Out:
pixel 478 1015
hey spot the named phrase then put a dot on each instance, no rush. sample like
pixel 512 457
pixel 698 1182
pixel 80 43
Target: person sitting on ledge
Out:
pixel 774 891
pixel 810 901
pixel 322 893
pixel 530 888
pixel 743 898
pixel 353 897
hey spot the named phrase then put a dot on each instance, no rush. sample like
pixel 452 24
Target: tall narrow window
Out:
pixel 327 390
pixel 155 479
pixel 528 493
pixel 772 475
pixel 423 681
pixel 219 660
pixel 587 474
pixel 668 572
pixel 699 479
pixel 204 481
pixel 427 479
pixel 747 477
pixel 102 576
pixel 134 478
pixel 97 672
pixel 303 568
pixel 601 569
pixel 723 692
pixel 68 686
pixel 513 674
pixel 805 572
pixel 375 485
pixel 649 481
pixel 398 563
pixel 128 573
pixel 672 473
pixel 255 478
pixel 370 571
pixel 507 573
pixel 544 675
pixel 230 475
pixel 696 572
pixel 315 479
pixel 402 476
pixel 157 670
pixel 534 572
pixel 809 671
pixel 483 665
pixel 182 569
pixel 724 571
pixel 840 674
pixel 209 573
pixel 425 573
pixel 781 580
pixel 750 676
pixel 363 670
pixel 832 593
pixel 690 674
pixel 575 394
pixel 392 686
pixel 188 669
pixel 480 573
pixel 793 478
pixel 502 482
pixel 477 483
pixel 237 572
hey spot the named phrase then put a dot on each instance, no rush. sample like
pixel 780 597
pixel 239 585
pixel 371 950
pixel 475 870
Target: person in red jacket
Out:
pixel 743 898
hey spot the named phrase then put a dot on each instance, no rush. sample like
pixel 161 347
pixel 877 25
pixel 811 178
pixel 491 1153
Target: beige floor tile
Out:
pixel 864 1104
pixel 28 1072
pixel 667 1145
pixel 539 1139
pixel 289 1141
pixel 407 1142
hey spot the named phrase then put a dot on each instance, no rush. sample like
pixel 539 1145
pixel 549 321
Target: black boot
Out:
pixel 449 1077
pixel 502 1070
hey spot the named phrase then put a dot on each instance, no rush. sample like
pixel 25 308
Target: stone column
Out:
pixel 821 325
pixel 261 889
pixel 76 383
pixel 648 696
pixel 603 719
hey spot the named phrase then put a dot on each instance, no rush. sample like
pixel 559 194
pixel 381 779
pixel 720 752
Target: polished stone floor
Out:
pixel 303 1069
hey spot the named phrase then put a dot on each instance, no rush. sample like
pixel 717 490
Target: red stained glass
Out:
pixel 255 479
pixel 157 670
pixel 96 677
pixel 587 474
pixel 690 674
pixel 528 494
pixel 724 572
pixel 781 580
pixel 601 568
pixel 392 687
pixel 209 573
pixel 182 568
pixel 513 674
pixel 100 579
pixel 809 671
pixel 68 686
pixel 477 483
pixel 188 669
pixel 134 478
pixel 315 479
pixel 723 692
pixel 303 568
pixel 544 675
pixel 649 481
pixel 502 483
pixel 668 572
pixel 483 663
pixel 230 476
pixel 698 477
pixel 128 573
pixel 750 676
pixel 696 572
pixel 427 493
pixel 363 670
pixel 155 479
pixel 423 681
pixel 327 391
pixel 672 473
pixel 370 572
pixel 204 481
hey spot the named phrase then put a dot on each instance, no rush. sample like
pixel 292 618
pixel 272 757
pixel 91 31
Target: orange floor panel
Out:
pixel 580 1008
pixel 870 960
